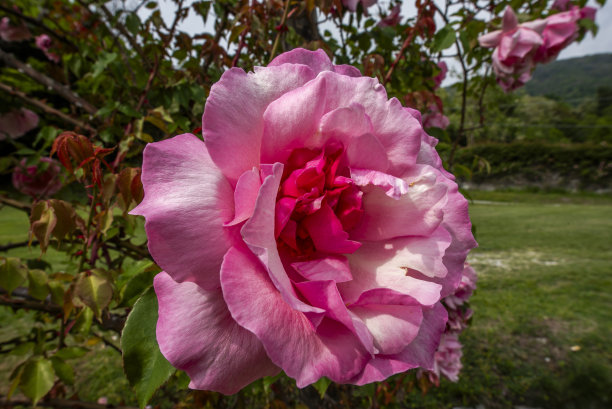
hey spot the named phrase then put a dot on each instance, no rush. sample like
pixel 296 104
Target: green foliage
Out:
pixel 144 365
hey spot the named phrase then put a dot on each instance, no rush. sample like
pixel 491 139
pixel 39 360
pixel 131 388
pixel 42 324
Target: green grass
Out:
pixel 543 319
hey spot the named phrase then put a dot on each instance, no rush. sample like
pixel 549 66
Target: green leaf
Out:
pixel 443 39
pixel 38 284
pixel 102 63
pixel 132 22
pixel 12 273
pixel 83 321
pixel 142 280
pixel 37 378
pixel 94 290
pixel 63 370
pixel 321 386
pixel 145 367
pixel 71 352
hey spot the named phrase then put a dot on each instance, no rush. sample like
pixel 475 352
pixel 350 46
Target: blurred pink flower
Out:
pixel 561 5
pixel 392 19
pixel 352 4
pixel 314 230
pixel 31 180
pixel 16 123
pixel 44 42
pixel 465 289
pixel 434 118
pixel 9 32
pixel 561 30
pixel 448 357
pixel 515 46
pixel 441 75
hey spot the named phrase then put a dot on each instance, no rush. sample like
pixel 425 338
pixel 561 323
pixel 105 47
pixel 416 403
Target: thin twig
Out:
pixel 399 56
pixel 48 82
pixel 26 207
pixel 10 246
pixel 278 34
pixel 47 109
pixel 107 342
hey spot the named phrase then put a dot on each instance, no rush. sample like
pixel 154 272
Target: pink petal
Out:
pixel 509 20
pixel 232 124
pixel 197 334
pixel 348 70
pixel 245 195
pixel 419 353
pixel 417 212
pixel 327 232
pixel 187 201
pixel 491 39
pixel 391 326
pixel 317 60
pixel 330 267
pixel 289 339
pixel 258 234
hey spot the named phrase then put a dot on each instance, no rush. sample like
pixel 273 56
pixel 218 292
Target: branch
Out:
pixel 26 207
pixel 59 403
pixel 278 34
pixel 48 82
pixel 405 45
pixel 46 108
pixel 10 246
pixel 19 299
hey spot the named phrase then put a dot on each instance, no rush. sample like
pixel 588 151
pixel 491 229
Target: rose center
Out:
pixel 317 204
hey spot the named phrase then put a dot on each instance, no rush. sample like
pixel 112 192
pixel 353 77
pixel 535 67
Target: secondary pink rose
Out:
pixel 352 4
pixel 434 118
pixel 44 42
pixel 448 357
pixel 441 75
pixel 314 230
pixel 515 47
pixel 38 181
pixel 16 123
pixel 561 30
pixel 392 19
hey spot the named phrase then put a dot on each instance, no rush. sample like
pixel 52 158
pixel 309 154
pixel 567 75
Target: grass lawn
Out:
pixel 542 328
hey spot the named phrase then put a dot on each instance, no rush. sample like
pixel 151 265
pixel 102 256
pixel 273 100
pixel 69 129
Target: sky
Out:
pixel 602 43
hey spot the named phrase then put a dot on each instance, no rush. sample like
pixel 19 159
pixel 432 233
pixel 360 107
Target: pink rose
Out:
pixel 465 290
pixel 441 75
pixel 38 183
pixel 515 47
pixel 352 4
pixel 448 357
pixel 14 124
pixel 44 42
pixel 13 33
pixel 435 119
pixel 561 30
pixel 314 231
pixel 392 19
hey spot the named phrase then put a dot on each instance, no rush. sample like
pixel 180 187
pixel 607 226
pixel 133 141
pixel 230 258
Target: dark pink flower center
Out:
pixel 317 204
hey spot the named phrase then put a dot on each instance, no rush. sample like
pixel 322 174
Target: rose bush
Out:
pixel 314 230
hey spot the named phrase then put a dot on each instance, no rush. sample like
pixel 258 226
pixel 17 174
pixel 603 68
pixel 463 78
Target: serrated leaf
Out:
pixel 12 273
pixel 145 367
pixel 94 290
pixel 443 39
pixel 37 378
pixel 63 370
pixel 321 386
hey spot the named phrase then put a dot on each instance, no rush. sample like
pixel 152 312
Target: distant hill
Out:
pixel 573 78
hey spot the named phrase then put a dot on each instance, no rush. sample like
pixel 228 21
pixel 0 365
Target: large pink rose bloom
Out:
pixel 515 47
pixel 38 183
pixel 314 231
pixel 561 30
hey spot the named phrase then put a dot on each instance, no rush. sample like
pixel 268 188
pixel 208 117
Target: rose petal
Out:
pixel 317 60
pixel 197 334
pixel 245 196
pixel 330 267
pixel 187 201
pixel 232 124
pixel 290 340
